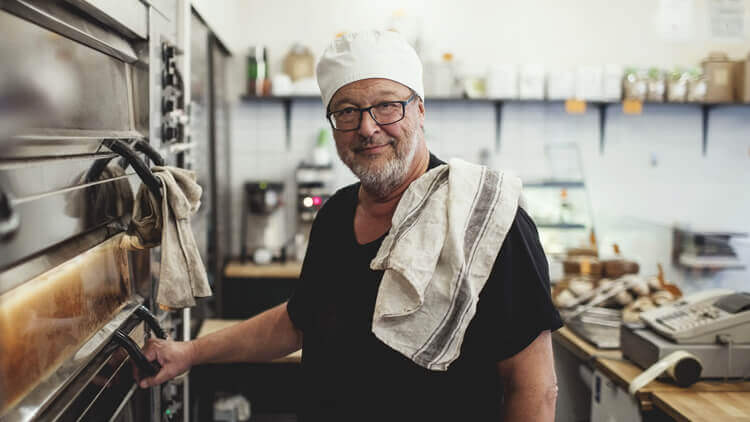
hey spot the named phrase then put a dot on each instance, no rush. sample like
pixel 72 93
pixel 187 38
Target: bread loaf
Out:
pixel 615 268
pixel 582 265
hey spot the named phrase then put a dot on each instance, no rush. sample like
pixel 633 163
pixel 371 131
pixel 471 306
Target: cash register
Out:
pixel 713 325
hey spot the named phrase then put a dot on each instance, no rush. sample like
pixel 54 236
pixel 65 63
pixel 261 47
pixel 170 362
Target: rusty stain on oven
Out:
pixel 45 320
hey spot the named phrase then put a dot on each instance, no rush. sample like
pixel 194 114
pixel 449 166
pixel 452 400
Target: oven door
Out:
pixel 71 334
pixel 107 388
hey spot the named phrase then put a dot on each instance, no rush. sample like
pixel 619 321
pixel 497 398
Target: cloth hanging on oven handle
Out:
pixel 119 147
pixel 144 366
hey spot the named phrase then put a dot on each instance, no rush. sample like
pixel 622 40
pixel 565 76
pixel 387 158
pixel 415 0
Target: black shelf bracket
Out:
pixel 287 104
pixel 602 108
pixel 498 124
pixel 705 110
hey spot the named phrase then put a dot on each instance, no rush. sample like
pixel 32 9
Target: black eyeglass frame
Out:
pixel 403 103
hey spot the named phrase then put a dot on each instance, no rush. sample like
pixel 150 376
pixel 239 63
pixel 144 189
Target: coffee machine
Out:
pixel 263 224
pixel 313 190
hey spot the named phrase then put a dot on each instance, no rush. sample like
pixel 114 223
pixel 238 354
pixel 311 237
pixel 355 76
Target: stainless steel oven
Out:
pixel 90 94
pixel 70 335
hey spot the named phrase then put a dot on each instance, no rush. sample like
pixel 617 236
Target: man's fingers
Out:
pixel 146 382
pixel 162 376
pixel 171 359
pixel 149 350
pixel 157 379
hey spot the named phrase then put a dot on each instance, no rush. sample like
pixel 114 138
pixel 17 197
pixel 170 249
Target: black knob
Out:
pixel 168 52
pixel 168 78
pixel 168 133
pixel 167 105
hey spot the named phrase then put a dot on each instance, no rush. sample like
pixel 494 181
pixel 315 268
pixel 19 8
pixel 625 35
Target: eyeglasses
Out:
pixel 383 114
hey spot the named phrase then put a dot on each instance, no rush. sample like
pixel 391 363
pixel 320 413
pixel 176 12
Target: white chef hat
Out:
pixel 365 55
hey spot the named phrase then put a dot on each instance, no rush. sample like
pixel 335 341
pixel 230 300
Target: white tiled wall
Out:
pixel 651 175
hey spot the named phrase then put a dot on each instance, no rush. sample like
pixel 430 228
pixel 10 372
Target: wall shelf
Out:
pixel 286 102
pixel 557 184
pixel 563 226
pixel 600 106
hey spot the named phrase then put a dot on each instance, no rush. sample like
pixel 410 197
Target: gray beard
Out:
pixel 381 182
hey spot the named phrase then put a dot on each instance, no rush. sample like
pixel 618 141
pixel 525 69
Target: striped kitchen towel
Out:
pixel 445 236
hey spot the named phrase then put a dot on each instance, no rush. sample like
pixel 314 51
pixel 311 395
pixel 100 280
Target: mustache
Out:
pixel 370 142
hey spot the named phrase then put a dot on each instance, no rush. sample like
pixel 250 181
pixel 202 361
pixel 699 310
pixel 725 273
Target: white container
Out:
pixel 531 82
pixel 589 83
pixel 281 85
pixel 502 82
pixel 612 82
pixel 561 84
pixel 440 78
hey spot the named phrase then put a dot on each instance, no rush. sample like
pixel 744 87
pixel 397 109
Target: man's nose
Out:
pixel 368 126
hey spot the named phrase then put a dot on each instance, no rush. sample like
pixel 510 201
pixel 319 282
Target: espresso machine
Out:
pixel 313 190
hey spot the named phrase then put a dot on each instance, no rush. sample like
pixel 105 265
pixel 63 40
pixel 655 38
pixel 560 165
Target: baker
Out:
pixel 424 292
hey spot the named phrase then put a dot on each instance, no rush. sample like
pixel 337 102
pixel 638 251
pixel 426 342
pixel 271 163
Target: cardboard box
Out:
pixel 719 72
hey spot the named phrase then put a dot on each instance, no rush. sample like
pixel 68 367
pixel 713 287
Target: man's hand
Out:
pixel 175 357
pixel 262 338
pixel 530 382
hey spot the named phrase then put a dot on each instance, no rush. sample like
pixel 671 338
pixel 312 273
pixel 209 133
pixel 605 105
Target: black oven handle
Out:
pixel 144 366
pixel 152 182
pixel 143 146
pixel 10 221
pixel 146 316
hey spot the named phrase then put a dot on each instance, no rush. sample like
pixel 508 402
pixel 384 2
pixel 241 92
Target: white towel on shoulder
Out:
pixel 445 236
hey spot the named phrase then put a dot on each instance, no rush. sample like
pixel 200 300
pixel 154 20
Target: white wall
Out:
pixel 482 33
pixel 222 17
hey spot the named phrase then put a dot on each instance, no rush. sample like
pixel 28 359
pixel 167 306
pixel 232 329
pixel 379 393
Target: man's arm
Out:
pixel 530 382
pixel 264 337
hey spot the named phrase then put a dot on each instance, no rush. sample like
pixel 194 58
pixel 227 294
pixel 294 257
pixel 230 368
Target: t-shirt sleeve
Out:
pixel 515 305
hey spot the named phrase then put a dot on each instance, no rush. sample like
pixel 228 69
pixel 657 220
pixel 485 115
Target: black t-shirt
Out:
pixel 348 374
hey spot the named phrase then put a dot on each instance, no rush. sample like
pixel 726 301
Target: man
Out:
pixel 371 84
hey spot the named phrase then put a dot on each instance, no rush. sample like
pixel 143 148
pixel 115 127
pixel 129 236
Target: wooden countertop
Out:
pixel 698 407
pixel 580 347
pixel 210 325
pixel 622 372
pixel 237 269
